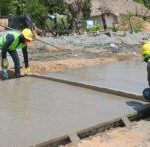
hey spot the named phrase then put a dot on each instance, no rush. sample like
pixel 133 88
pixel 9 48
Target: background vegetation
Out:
pixel 67 16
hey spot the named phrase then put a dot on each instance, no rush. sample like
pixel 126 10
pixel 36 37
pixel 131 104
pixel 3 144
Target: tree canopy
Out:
pixel 146 3
pixel 40 9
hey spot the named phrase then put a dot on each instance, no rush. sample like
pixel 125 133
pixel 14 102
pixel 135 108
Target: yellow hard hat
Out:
pixel 27 33
pixel 146 48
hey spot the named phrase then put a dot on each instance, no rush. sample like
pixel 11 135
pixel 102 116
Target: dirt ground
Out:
pixel 60 65
pixel 146 27
pixel 138 135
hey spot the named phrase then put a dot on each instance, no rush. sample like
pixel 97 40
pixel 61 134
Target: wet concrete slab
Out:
pixel 34 110
pixel 127 76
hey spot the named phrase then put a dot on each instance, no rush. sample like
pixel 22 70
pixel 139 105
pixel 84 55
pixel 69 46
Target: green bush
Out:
pixel 50 23
pixel 95 28
pixel 62 24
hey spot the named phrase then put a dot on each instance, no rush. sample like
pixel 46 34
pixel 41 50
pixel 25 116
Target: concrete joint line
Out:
pixel 126 121
pixel 74 138
pixel 95 88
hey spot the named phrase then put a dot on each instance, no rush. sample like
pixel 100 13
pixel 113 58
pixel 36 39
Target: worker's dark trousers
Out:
pixel 148 72
pixel 16 61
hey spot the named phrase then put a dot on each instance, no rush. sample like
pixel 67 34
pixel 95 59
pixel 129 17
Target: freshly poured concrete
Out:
pixel 33 110
pixel 128 76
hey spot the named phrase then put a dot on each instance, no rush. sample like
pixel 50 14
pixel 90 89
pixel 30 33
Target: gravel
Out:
pixel 89 44
pixel 88 41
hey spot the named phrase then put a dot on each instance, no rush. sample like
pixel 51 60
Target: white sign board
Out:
pixel 90 24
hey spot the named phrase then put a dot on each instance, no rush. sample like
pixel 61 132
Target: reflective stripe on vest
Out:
pixel 15 44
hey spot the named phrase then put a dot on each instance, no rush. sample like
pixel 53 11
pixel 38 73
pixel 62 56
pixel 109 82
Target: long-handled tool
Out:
pixel 34 35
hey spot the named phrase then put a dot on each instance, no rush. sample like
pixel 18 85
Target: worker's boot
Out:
pixel 4 73
pixel 17 72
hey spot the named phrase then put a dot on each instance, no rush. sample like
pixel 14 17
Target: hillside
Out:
pixel 115 5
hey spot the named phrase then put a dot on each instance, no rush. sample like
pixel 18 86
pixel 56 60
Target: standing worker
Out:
pixel 10 42
pixel 146 57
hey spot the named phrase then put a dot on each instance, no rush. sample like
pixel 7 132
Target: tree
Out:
pixel 33 8
pixel 104 10
pixel 139 1
pixel 6 7
pixel 54 6
pixel 86 9
pixel 146 3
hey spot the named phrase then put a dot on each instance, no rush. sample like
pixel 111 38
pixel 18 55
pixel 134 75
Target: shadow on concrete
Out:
pixel 137 105
pixel 145 114
pixel 147 119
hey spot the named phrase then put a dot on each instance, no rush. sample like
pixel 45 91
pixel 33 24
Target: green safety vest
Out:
pixel 15 44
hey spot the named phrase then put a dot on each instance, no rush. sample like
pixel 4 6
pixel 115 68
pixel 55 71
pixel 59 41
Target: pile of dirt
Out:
pixel 60 65
pixel 146 27
pixel 83 50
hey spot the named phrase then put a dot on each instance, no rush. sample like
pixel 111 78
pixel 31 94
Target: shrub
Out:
pixel 95 28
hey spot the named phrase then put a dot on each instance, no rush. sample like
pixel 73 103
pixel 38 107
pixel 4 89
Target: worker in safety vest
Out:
pixel 10 42
pixel 146 57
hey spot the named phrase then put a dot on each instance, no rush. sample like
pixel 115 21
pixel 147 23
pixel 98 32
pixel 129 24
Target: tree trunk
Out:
pixel 76 24
pixel 104 22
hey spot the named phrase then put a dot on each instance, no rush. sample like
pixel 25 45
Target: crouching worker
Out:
pixel 9 43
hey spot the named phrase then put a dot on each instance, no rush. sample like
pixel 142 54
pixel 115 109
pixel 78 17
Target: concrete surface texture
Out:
pixel 128 76
pixel 34 110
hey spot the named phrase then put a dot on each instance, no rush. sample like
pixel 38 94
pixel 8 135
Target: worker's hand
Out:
pixel 27 70
pixel 4 73
pixel 4 63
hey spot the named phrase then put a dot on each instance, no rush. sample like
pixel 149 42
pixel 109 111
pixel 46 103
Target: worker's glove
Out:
pixel 27 70
pixel 4 63
pixel 4 73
